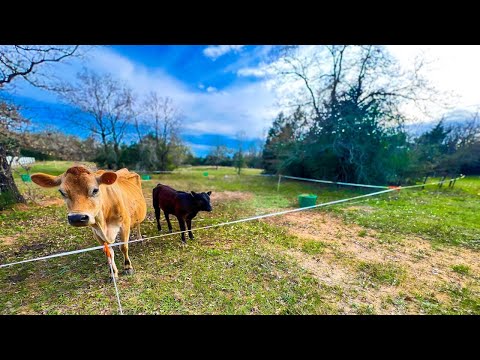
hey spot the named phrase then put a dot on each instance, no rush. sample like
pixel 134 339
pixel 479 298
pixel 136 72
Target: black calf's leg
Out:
pixel 189 224
pixel 157 216
pixel 181 222
pixel 167 218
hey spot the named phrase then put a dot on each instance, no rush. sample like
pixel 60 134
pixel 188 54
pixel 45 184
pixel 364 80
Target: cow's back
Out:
pixel 129 187
pixel 164 197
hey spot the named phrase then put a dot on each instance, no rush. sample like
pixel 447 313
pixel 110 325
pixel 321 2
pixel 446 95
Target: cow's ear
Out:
pixel 193 193
pixel 209 193
pixel 45 180
pixel 107 178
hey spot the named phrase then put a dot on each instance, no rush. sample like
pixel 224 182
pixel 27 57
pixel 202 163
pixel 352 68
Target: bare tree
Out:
pixel 464 134
pixel 103 107
pixel 23 61
pixel 163 121
pixel 30 63
pixel 218 154
pixel 324 73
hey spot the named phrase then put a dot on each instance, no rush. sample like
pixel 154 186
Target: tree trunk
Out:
pixel 8 188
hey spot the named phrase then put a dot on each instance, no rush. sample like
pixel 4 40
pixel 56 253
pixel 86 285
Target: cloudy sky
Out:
pixel 222 90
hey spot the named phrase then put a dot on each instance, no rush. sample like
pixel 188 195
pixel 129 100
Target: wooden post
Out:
pixel 279 179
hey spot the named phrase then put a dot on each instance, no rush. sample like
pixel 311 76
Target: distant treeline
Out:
pixel 360 149
pixel 141 155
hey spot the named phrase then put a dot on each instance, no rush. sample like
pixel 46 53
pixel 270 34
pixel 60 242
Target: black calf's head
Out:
pixel 202 200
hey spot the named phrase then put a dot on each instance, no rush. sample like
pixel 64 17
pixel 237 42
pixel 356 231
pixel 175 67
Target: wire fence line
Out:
pixel 226 223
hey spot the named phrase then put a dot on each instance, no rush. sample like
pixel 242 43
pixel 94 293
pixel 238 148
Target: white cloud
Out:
pixel 215 51
pixel 201 86
pixel 259 72
pixel 454 69
pixel 211 89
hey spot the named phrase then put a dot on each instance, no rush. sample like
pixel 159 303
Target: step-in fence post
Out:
pixel 441 181
pixel 424 181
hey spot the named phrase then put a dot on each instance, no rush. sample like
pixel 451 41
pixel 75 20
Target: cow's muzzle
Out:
pixel 78 219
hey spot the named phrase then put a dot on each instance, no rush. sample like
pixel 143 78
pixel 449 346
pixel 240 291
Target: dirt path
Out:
pixel 347 246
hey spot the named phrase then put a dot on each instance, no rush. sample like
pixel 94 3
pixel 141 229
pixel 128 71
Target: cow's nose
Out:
pixel 78 219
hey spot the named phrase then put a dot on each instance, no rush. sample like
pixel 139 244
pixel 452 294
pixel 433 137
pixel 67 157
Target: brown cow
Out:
pixel 109 202
pixel 184 205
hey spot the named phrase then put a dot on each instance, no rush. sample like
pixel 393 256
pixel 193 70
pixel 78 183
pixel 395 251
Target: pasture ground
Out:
pixel 412 252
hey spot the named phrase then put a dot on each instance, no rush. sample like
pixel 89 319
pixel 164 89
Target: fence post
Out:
pixel 279 179
pixel 441 181
pixel 453 182
pixel 424 181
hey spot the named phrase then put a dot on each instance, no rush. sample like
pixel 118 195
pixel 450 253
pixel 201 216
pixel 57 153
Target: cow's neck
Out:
pixel 106 230
pixel 107 222
pixel 100 227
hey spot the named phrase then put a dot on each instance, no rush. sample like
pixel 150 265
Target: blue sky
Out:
pixel 222 89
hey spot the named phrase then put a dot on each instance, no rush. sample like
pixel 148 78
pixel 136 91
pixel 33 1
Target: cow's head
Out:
pixel 202 200
pixel 80 188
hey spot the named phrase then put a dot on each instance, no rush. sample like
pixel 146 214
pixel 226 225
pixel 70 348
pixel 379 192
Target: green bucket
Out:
pixel 26 178
pixel 205 173
pixel 146 177
pixel 305 200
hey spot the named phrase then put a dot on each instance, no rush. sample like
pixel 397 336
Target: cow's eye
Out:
pixel 94 192
pixel 63 194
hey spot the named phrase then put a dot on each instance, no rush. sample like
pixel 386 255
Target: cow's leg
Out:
pixel 189 224
pixel 167 218
pixel 181 222
pixel 157 216
pixel 139 234
pixel 114 266
pixel 124 237
pixel 115 270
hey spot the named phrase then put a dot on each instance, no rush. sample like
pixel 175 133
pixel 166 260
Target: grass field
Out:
pixel 412 252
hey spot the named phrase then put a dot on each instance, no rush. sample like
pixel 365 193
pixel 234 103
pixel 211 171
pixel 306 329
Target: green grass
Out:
pixel 382 273
pixel 237 269
pixel 445 216
pixel 362 233
pixel 464 301
pixel 461 269
pixel 313 247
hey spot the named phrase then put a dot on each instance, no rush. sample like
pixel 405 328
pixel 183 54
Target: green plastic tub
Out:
pixel 205 173
pixel 305 200
pixel 26 178
pixel 146 177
